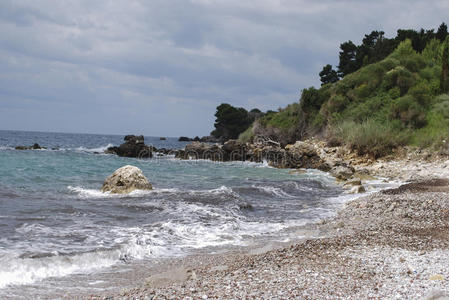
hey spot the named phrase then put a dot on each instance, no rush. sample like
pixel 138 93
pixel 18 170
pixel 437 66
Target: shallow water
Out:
pixel 55 224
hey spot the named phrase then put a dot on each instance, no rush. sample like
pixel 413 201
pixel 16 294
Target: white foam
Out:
pixel 92 193
pixel 274 191
pixel 14 270
pixel 93 150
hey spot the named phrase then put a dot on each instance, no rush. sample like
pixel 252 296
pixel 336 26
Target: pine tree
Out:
pixel 328 75
pixel 347 57
pixel 442 32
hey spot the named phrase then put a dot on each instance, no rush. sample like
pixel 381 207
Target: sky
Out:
pixel 161 67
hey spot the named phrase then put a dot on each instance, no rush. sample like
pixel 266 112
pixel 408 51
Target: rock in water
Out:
pixel 134 146
pixel 125 180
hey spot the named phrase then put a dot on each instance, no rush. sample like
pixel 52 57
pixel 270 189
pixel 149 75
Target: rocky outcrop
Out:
pixel 184 139
pixel 134 146
pixel 234 150
pixel 342 171
pixel 125 180
pixel 36 146
pixel 204 139
pixel 299 155
pixel 198 150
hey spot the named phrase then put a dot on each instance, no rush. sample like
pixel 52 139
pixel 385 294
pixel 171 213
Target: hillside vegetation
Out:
pixel 399 100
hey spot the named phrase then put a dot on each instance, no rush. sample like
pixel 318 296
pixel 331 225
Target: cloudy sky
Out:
pixel 160 67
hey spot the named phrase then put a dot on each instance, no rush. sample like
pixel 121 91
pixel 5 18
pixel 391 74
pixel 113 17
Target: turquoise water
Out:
pixel 54 221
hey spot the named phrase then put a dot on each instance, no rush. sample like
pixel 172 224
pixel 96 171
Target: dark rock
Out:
pixel 35 146
pixel 234 150
pixel 134 146
pixel 245 206
pixel 209 139
pixel 162 138
pixel 184 139
pixel 197 150
pixel 133 139
pixel 196 139
pixel 22 148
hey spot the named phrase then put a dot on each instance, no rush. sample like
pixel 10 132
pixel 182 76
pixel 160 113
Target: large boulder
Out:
pixel 134 146
pixel 342 172
pixel 234 150
pixel 304 155
pixel 125 180
pixel 302 149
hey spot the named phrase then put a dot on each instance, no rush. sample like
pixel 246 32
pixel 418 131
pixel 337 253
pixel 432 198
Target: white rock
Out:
pixel 125 180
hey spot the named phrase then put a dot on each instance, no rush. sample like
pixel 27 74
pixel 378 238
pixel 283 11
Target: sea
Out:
pixel 60 235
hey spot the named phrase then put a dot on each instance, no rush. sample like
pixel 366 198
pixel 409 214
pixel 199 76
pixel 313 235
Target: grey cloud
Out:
pixel 161 67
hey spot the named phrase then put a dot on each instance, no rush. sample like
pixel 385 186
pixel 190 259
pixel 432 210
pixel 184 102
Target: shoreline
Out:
pixel 388 244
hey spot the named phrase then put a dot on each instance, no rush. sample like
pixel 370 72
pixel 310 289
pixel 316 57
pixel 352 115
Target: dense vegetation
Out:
pixel 375 47
pixel 391 94
pixel 231 121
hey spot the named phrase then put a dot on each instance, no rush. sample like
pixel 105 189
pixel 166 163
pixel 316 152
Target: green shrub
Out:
pixel 432 51
pixel 421 93
pixel 284 119
pixel 363 91
pixel 370 137
pixel 337 103
pixel 389 64
pixel 409 111
pixel 413 63
pixel 441 98
pixel 399 77
pixel 442 108
pixel 394 92
pixel 437 129
pixel 247 136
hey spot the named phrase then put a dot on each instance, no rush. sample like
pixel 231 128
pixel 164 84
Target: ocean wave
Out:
pixel 16 270
pixel 6 148
pixel 273 190
pixel 93 150
pixel 93 193
pixel 84 193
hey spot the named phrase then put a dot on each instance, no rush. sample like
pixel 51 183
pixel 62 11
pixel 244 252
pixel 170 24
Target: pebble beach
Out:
pixel 392 244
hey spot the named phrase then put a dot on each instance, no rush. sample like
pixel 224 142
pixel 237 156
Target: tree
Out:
pixel 255 114
pixel 328 75
pixel 347 57
pixel 442 32
pixel 444 84
pixel 230 121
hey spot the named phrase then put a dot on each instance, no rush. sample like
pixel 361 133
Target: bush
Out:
pixel 437 129
pixel 421 93
pixel 337 103
pixel 399 77
pixel 370 137
pixel 409 111
pixel 247 136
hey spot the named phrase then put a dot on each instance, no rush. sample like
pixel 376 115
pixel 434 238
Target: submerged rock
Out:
pixel 125 180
